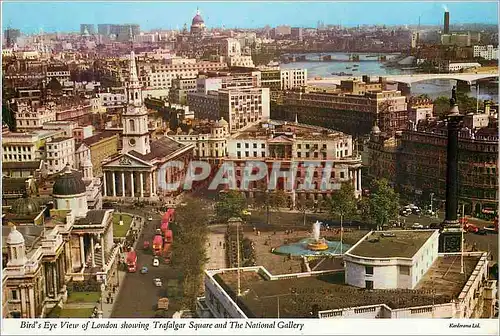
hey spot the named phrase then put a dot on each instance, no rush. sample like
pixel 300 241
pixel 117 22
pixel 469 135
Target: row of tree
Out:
pixel 379 208
pixel 189 255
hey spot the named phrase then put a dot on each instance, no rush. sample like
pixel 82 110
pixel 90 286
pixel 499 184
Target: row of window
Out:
pixel 15 157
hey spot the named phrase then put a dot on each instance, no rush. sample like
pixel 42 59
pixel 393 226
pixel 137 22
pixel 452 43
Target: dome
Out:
pixel 15 237
pixel 25 206
pixel 69 182
pixel 375 129
pixel 222 122
pixel 197 20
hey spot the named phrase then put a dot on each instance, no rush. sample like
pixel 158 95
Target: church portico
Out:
pixel 134 182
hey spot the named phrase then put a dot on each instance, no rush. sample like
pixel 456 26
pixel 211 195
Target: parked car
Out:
pixel 150 218
pixel 157 282
pixel 156 262
pixel 144 270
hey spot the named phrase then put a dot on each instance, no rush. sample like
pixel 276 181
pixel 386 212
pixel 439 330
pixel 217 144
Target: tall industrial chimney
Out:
pixel 451 231
pixel 446 29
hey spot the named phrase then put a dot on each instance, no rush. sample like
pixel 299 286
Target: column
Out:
pixel 359 180
pixel 67 254
pixel 104 184
pixel 54 277
pixel 23 298
pixel 132 183
pixel 154 183
pixel 123 184
pixel 114 184
pixel 92 250
pixel 102 251
pixel 141 178
pixel 82 251
pixel 151 192
pixel 31 291
pixel 355 180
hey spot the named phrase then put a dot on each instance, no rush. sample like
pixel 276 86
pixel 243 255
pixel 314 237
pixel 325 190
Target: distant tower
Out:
pixel 135 117
pixel 446 28
pixel 87 167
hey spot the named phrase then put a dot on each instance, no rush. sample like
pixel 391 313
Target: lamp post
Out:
pixel 432 195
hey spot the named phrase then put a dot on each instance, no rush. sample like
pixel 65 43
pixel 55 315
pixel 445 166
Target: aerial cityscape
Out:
pixel 250 160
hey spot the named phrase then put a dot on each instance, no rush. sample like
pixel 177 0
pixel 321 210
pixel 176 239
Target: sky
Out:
pixel 67 16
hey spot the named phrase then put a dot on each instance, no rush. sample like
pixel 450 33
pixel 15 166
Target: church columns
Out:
pixel 132 182
pixel 104 184
pixel 82 251
pixel 114 184
pixel 141 177
pixel 92 250
pixel 123 184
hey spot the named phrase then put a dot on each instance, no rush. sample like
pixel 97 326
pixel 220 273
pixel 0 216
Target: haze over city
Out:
pixel 66 16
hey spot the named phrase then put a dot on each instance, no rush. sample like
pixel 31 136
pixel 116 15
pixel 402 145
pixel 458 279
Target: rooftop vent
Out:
pixel 374 240
pixel 388 234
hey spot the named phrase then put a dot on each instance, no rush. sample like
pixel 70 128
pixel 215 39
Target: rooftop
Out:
pixel 25 165
pixel 298 296
pixel 301 131
pixel 401 243
pixel 93 217
pixel 31 234
pixel 98 137
pixel 444 275
pixel 160 148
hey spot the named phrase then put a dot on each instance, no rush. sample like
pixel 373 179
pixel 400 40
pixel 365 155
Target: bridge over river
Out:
pixel 465 78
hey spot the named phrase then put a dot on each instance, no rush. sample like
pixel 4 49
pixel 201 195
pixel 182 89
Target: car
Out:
pixel 481 232
pixel 157 282
pixel 144 270
pixel 246 213
pixel 150 218
pixel 156 262
pixel 417 226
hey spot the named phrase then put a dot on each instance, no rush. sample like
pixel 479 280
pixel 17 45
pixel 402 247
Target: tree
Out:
pixel 465 103
pixel 343 204
pixel 304 204
pixel 230 204
pixel 384 203
pixel 189 248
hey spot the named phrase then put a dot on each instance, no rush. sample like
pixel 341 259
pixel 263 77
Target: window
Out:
pixel 254 145
pixel 369 270
pixel 14 294
pixel 342 175
pixel 263 154
pixel 369 284
pixel 404 270
pixel 262 146
pixel 246 145
pixel 238 145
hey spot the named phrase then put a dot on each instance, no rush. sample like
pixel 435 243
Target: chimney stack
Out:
pixel 446 29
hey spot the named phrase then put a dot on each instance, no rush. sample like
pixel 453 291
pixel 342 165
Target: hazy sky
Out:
pixel 67 16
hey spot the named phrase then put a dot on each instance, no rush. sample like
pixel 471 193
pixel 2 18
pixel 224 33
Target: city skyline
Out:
pixel 30 17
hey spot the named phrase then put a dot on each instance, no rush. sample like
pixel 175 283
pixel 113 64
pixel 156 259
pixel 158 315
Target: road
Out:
pixel 138 296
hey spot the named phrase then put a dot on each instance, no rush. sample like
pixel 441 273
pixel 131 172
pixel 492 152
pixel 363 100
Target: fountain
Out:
pixel 312 246
pixel 318 244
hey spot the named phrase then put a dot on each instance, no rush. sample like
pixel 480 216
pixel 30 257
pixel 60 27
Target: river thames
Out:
pixel 370 66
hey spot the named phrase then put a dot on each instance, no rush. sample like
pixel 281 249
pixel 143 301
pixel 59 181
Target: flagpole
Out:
pixel 462 224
